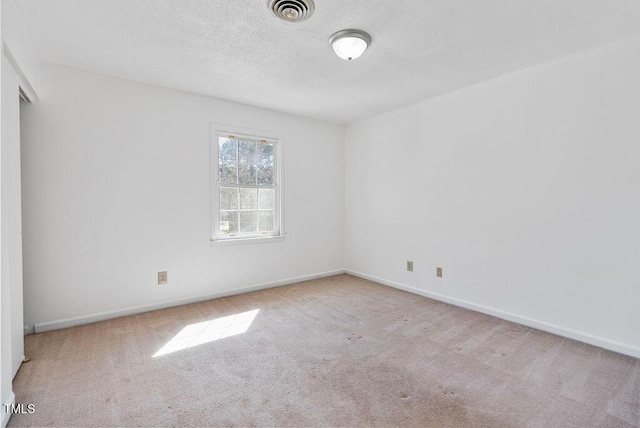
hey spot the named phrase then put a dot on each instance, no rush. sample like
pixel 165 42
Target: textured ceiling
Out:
pixel 236 50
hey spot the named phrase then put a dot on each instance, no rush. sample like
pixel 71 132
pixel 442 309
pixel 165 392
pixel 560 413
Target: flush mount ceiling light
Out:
pixel 350 44
pixel 291 10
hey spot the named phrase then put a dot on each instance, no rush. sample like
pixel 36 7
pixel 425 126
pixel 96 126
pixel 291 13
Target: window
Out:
pixel 247 195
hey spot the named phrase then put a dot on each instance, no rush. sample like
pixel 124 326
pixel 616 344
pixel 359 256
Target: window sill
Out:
pixel 241 241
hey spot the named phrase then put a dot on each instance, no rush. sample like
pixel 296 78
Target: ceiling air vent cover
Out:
pixel 291 10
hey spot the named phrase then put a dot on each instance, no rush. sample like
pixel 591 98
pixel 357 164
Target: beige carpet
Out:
pixel 339 351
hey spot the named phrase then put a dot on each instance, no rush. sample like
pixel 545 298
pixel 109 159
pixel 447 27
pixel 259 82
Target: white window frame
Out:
pixel 259 136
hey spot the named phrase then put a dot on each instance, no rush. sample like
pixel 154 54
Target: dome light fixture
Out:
pixel 350 44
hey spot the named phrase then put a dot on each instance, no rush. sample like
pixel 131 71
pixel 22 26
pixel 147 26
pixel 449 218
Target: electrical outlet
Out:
pixel 439 272
pixel 162 277
pixel 409 266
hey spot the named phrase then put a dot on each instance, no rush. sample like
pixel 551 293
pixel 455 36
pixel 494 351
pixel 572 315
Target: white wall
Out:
pixel 11 209
pixel 116 188
pixel 5 308
pixel 525 189
pixel 20 68
pixel 19 48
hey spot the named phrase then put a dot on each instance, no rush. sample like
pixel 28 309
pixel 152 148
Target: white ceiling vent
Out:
pixel 291 10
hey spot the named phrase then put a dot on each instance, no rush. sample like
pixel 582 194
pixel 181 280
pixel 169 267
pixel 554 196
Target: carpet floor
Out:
pixel 338 351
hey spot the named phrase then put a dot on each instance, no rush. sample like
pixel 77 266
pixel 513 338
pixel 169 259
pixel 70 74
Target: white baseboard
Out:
pixel 540 325
pixel 6 416
pixel 87 319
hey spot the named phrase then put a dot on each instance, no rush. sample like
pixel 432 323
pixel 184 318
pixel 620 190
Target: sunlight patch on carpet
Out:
pixel 209 331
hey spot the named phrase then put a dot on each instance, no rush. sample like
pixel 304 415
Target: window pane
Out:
pixel 228 222
pixel 266 221
pixel 266 199
pixel 248 199
pixel 227 160
pixel 228 173
pixel 247 169
pixel 264 164
pixel 228 149
pixel 248 221
pixel 228 198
